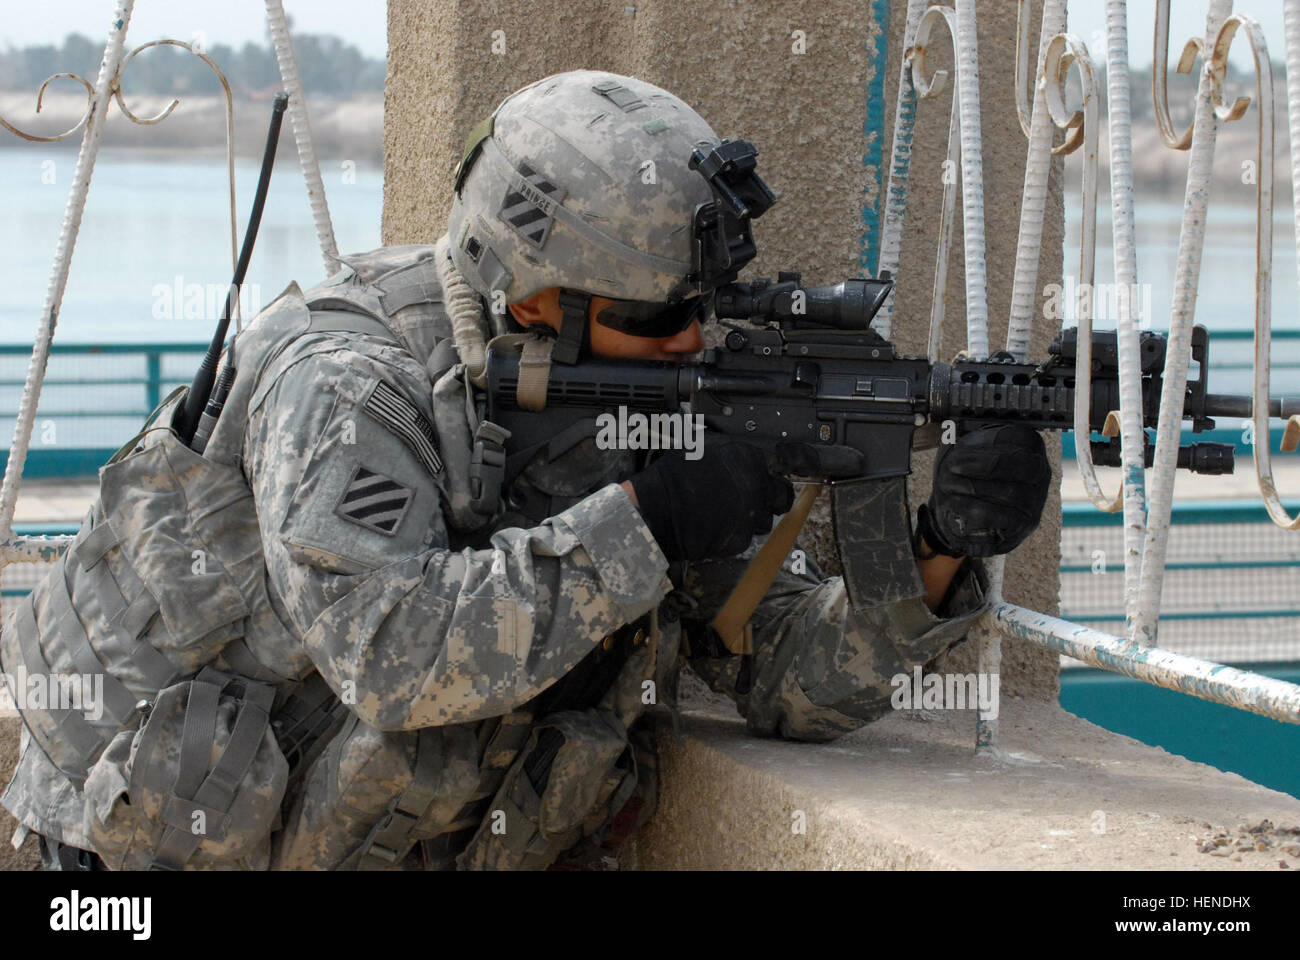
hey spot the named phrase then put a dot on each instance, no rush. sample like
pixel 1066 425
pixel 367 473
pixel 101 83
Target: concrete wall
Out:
pixel 734 62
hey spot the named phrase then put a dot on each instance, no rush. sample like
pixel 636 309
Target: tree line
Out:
pixel 328 65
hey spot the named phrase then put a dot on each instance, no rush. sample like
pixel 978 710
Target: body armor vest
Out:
pixel 211 715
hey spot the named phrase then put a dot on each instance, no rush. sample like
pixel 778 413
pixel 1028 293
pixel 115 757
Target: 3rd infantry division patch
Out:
pixel 374 501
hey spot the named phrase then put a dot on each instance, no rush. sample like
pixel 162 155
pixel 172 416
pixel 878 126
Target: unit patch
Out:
pixel 374 501
pixel 529 205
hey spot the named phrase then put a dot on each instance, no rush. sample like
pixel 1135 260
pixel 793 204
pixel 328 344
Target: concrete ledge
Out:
pixel 907 792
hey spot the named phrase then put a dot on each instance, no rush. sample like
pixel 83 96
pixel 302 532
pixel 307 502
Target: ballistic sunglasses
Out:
pixel 639 318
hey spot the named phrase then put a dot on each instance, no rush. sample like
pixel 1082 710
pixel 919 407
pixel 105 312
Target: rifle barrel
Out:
pixel 1227 405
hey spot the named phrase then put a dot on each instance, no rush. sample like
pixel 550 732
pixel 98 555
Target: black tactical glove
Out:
pixel 711 507
pixel 989 491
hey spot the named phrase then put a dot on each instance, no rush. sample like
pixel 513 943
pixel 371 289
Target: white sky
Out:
pixel 363 23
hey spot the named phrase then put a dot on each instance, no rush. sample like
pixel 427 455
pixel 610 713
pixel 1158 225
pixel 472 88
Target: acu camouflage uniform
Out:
pixel 493 707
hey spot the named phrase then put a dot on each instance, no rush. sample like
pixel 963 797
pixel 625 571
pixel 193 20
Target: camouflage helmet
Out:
pixel 581 181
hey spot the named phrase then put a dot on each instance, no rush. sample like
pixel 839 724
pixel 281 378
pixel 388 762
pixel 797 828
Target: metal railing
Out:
pixel 1230 579
pixel 1146 510
pixel 107 87
pixel 1146 519
pixel 95 398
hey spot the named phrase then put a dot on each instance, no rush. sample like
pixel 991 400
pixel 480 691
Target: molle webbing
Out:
pixel 325 321
pixel 198 790
pixel 502 742
pixel 306 722
pixel 390 839
pixel 408 286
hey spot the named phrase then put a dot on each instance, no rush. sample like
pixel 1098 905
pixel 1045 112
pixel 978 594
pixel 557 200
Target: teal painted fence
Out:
pixel 1259 748
pixel 94 398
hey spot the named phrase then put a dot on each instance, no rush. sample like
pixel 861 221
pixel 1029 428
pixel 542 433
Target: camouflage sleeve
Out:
pixel 821 668
pixel 408 632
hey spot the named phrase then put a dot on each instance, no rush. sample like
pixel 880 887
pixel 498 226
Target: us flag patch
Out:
pixel 374 501
pixel 529 205
pixel 405 422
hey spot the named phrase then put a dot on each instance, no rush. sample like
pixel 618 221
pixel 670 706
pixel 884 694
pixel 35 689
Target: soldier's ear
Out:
pixel 542 307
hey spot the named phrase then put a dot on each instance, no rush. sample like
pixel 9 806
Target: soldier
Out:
pixel 331 640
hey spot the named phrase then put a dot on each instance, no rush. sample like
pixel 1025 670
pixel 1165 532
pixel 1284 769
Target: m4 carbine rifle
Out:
pixel 809 368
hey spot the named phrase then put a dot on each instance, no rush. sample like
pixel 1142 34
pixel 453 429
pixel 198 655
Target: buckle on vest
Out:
pixel 487 467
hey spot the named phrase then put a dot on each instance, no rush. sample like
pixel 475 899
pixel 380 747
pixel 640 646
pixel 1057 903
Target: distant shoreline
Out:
pixel 351 129
pixel 205 155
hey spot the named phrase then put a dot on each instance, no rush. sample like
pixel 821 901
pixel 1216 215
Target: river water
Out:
pixel 155 226
pixel 153 259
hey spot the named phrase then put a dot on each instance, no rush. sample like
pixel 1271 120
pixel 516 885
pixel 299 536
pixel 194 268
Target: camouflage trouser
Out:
pixel 499 795
pixel 566 776
pixel 828 650
pixel 575 775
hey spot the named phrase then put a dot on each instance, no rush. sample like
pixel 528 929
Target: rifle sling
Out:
pixel 732 621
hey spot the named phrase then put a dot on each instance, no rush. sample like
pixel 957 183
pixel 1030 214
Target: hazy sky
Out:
pixel 1186 19
pixel 364 22
pixel 235 22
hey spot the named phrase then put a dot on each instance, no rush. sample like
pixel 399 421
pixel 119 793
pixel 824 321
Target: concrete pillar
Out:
pixel 739 65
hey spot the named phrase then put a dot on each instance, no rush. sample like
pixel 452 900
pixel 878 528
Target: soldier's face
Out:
pixel 544 307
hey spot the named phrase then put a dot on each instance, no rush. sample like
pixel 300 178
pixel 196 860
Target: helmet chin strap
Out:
pixel 575 331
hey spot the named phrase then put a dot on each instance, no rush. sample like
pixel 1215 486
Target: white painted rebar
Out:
pixel 33 549
pixel 977 314
pixel 947 216
pixel 929 87
pixel 1065 51
pixel 972 180
pixel 900 162
pixel 964 143
pixel 1291 21
pixel 1024 294
pixel 1033 202
pixel 1020 77
pixel 71 227
pixel 302 137
pixel 1127 321
pixel 1178 346
pixel 1160 78
pixel 1263 466
pixel 1241 689
pixel 1264 112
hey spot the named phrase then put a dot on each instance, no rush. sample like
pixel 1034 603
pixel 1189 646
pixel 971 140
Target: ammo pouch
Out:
pixel 166 577
pixel 153 589
pixel 572 777
pixel 199 785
